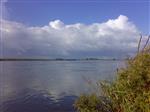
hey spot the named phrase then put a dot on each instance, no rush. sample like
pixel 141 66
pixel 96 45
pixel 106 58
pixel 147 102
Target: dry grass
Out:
pixel 130 92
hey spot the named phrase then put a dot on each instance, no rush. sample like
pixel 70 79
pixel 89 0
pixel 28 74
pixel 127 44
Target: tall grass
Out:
pixel 130 92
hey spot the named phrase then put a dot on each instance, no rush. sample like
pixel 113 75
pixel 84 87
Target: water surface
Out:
pixel 49 86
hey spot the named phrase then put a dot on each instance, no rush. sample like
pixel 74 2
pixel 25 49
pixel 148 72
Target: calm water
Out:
pixel 50 86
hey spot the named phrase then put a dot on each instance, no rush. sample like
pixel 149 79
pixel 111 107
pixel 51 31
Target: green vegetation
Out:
pixel 130 92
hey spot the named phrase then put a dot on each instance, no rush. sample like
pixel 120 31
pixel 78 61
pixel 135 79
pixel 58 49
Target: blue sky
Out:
pixel 73 28
pixel 40 12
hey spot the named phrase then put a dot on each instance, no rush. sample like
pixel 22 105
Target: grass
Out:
pixel 130 92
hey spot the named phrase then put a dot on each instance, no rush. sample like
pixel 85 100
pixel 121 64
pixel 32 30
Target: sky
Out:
pixel 73 28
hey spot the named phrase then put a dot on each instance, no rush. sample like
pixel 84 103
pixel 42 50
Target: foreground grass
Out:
pixel 130 92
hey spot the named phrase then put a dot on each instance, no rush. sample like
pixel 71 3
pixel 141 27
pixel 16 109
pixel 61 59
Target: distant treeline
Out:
pixel 57 59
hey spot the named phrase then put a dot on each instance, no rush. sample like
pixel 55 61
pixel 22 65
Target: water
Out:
pixel 49 86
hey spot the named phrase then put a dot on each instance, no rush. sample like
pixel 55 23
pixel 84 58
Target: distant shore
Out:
pixel 57 59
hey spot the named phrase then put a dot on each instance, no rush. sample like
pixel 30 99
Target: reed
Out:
pixel 130 92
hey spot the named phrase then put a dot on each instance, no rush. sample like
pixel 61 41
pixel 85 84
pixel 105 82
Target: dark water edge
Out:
pixel 37 101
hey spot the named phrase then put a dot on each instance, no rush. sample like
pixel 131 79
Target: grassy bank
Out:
pixel 130 92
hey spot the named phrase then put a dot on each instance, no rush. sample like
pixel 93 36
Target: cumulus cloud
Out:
pixel 114 38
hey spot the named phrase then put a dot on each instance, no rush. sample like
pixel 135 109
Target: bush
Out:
pixel 92 103
pixel 130 92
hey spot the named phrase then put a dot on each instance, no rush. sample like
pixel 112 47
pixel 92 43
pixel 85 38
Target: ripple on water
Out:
pixel 37 101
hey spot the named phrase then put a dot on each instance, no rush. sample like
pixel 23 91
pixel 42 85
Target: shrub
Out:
pixel 92 103
pixel 130 92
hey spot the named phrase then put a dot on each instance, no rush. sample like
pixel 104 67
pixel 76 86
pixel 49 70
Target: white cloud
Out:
pixel 57 24
pixel 115 37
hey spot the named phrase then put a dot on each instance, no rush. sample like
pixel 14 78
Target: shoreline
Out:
pixel 34 59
